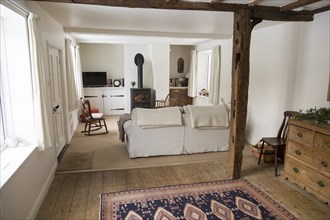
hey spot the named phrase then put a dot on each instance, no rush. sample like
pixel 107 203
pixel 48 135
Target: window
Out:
pixel 16 99
pixel 15 77
pixel 204 72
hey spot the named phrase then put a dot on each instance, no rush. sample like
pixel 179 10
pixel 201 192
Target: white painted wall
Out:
pixel 103 57
pixel 160 55
pixel 289 71
pixel 311 81
pixel 23 193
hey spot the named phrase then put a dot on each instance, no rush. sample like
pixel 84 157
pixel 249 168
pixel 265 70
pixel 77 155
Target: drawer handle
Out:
pixel 298 152
pixel 320 183
pixel 324 163
pixel 299 135
pixel 295 170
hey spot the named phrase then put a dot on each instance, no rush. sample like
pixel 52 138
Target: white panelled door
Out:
pixel 58 118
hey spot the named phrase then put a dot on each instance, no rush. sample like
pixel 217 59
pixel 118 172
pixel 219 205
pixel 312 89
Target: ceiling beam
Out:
pixel 320 10
pixel 297 4
pixel 254 2
pixel 274 16
pixel 95 31
pixel 262 11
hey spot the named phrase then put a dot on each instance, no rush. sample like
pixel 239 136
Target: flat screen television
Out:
pixel 94 79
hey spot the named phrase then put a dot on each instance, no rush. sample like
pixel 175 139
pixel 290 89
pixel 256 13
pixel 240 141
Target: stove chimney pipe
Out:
pixel 139 60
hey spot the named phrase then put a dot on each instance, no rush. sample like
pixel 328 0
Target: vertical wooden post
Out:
pixel 243 25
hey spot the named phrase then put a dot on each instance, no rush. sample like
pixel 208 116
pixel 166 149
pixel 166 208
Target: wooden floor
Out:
pixel 76 196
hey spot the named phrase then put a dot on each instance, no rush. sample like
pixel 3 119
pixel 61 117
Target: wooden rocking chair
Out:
pixel 93 121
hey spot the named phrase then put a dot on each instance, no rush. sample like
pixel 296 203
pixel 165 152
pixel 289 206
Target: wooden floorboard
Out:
pixel 76 196
pixel 50 200
pixel 80 198
pixel 63 203
pixel 109 181
pixel 95 189
pixel 147 178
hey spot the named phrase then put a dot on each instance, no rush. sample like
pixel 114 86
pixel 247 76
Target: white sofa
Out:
pixel 164 136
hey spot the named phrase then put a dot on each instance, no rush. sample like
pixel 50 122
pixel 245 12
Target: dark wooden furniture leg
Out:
pixel 276 149
pixel 261 152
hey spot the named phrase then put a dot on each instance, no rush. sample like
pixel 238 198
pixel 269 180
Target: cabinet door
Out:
pixel 113 102
pixel 95 98
pixel 117 102
pixel 107 102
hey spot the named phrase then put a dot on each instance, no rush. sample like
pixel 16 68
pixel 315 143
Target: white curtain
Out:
pixel 41 102
pixel 71 85
pixel 78 75
pixel 215 73
pixel 192 85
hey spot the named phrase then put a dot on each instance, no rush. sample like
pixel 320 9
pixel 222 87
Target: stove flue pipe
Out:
pixel 139 60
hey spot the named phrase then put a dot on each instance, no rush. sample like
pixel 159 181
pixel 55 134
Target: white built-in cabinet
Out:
pixel 109 100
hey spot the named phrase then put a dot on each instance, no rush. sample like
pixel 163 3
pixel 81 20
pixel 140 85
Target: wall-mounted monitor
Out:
pixel 94 79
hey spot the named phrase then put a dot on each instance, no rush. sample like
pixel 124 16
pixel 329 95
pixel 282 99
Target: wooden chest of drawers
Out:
pixel 307 159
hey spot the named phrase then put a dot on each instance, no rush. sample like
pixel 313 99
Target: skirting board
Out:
pixel 34 211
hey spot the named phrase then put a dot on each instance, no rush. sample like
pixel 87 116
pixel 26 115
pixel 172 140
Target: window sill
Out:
pixel 11 159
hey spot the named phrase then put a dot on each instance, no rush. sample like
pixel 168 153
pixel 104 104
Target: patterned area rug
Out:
pixel 226 199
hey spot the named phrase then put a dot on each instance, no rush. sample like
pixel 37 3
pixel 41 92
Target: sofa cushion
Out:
pixel 215 116
pixel 161 117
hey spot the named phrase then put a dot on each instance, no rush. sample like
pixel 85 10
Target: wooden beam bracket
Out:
pixel 255 21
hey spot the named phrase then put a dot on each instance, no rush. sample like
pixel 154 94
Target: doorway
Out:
pixel 56 97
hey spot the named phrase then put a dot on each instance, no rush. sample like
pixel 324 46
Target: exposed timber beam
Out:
pixel 320 10
pixel 243 25
pixel 96 31
pixel 297 4
pixel 276 14
pixel 254 2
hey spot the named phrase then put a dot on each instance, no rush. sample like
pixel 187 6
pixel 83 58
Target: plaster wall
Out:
pixel 160 67
pixel 103 57
pixel 289 71
pixel 313 61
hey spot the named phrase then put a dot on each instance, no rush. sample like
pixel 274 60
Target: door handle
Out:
pixel 55 108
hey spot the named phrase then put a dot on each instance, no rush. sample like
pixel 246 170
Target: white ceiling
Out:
pixel 104 24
